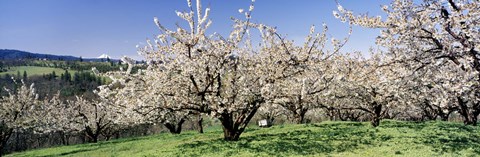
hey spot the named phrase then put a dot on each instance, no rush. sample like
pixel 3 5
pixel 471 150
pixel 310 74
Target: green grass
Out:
pixel 39 71
pixel 391 138
pixel 34 70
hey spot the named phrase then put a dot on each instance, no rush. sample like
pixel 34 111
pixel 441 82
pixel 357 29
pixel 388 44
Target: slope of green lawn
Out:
pixel 34 70
pixel 391 138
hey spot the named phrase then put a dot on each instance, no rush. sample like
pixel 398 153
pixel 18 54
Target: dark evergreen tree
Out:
pixel 53 76
pixel 18 75
pixel 24 75
pixel 68 76
pixel 7 76
pixel 76 78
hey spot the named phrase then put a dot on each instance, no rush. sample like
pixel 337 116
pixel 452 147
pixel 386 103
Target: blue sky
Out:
pixel 89 28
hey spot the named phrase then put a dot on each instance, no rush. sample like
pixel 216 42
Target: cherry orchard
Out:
pixel 227 78
pixel 434 34
pixel 428 68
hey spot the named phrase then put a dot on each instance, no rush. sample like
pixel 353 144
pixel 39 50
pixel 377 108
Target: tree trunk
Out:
pixel 17 143
pixel 270 120
pixel 429 112
pixel 109 133
pixel 352 115
pixel 231 134
pixel 342 116
pixel 117 134
pixel 93 136
pixel 444 116
pixel 377 111
pixel 5 134
pixel 330 112
pixel 474 120
pixel 107 138
pixel 171 128
pixel 468 118
pixel 2 145
pixel 233 127
pixel 95 139
pixel 375 121
pixel 200 124
pixel 475 114
pixel 428 115
pixel 175 128
pixel 299 117
pixel 331 115
pixel 65 138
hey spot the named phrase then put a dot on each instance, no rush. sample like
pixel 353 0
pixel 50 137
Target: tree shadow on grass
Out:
pixel 72 152
pixel 417 126
pixel 95 146
pixel 448 138
pixel 337 137
pixel 443 137
pixel 330 138
pixel 119 141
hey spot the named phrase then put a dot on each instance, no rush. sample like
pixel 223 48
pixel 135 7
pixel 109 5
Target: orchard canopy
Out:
pixel 427 68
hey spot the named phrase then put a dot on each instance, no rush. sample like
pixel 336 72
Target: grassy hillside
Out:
pixel 392 138
pixel 34 70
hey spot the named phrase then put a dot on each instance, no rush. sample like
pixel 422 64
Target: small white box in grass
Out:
pixel 264 123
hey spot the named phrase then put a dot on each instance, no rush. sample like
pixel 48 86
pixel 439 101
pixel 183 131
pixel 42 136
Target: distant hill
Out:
pixel 6 54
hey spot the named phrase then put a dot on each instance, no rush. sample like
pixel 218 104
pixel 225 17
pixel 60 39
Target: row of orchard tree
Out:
pixel 428 68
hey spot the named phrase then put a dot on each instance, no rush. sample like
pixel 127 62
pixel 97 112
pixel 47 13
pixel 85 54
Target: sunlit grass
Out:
pixel 392 138
pixel 34 71
pixel 39 71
